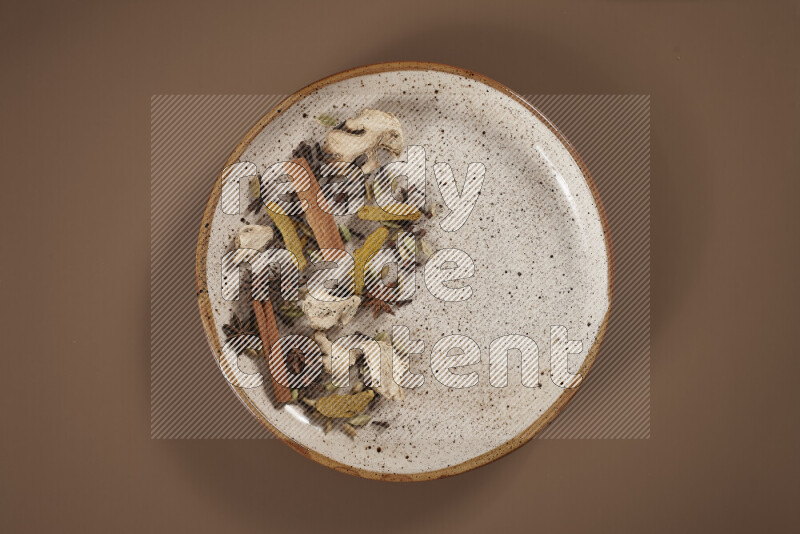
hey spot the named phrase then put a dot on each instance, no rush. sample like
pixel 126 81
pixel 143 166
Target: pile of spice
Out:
pixel 360 140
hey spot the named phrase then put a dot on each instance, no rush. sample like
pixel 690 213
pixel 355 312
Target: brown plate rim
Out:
pixel 204 302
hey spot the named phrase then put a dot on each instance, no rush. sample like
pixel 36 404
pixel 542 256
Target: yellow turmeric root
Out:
pixel 395 212
pixel 287 229
pixel 362 255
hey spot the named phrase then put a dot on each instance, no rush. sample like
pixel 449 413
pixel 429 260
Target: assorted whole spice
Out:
pixel 361 141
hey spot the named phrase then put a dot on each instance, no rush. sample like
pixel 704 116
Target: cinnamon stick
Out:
pixel 321 221
pixel 268 330
pixel 326 232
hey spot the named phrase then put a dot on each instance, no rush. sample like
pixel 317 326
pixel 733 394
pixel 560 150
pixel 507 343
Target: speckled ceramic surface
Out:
pixel 536 236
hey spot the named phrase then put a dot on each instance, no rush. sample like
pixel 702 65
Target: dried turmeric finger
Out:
pixel 287 229
pixel 395 212
pixel 341 406
pixel 362 255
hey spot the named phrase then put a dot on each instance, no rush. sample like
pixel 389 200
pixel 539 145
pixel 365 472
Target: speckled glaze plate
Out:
pixel 542 262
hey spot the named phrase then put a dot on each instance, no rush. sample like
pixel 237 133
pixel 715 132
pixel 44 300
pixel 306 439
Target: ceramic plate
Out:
pixel 540 270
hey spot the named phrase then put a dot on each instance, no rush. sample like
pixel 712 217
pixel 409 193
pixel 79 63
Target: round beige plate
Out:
pixel 538 239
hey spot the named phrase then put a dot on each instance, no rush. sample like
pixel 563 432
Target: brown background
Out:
pixel 75 450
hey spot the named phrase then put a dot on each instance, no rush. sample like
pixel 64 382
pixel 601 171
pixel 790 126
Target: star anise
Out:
pixel 238 327
pixel 378 306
